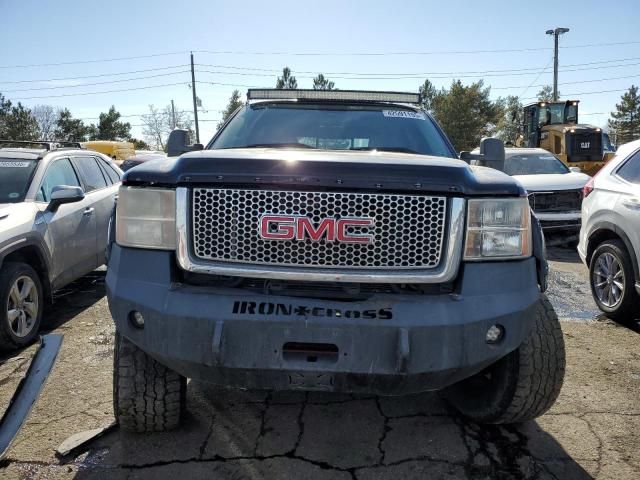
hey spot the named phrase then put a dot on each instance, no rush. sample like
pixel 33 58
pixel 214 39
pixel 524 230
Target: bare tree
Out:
pixel 154 128
pixel 159 123
pixel 182 120
pixel 46 117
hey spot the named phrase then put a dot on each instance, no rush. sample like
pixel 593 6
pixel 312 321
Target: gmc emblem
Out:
pixel 292 227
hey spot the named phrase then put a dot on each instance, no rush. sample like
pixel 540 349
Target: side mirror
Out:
pixel 178 143
pixel 491 154
pixel 62 194
pixel 492 149
pixel 575 169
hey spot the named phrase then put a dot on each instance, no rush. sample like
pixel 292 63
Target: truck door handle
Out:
pixel 88 211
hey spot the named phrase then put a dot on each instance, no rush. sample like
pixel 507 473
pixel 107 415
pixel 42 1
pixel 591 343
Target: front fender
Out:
pixel 539 252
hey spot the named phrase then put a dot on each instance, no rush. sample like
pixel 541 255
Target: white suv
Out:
pixel 610 234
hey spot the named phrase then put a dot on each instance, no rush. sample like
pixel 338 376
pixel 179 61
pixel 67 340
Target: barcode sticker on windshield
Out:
pixel 404 114
pixel 14 164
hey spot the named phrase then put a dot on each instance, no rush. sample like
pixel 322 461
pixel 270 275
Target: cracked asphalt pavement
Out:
pixel 593 431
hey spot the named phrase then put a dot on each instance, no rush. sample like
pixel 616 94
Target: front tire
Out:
pixel 21 301
pixel 612 282
pixel 522 385
pixel 147 396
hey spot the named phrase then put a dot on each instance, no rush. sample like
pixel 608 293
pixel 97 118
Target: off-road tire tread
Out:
pixel 630 305
pixel 541 368
pixel 531 377
pixel 9 269
pixel 147 396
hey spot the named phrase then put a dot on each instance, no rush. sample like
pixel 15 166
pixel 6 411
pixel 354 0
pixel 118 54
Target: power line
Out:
pixel 312 54
pixel 434 52
pixel 438 75
pixel 569 83
pixel 372 75
pixel 579 94
pixel 537 77
pixel 103 60
pixel 97 83
pixel 100 75
pixel 105 91
pixel 529 69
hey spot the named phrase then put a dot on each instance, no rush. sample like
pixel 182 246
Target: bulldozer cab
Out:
pixel 554 126
pixel 541 114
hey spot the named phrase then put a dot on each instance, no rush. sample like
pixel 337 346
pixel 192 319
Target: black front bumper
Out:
pixel 388 344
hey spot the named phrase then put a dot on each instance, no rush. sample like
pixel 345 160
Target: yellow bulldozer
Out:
pixel 554 126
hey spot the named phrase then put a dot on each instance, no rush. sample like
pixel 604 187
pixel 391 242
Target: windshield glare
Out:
pixel 533 164
pixel 334 127
pixel 15 177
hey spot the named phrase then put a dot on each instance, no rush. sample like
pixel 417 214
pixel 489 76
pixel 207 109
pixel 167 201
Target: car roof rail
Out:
pixel 45 144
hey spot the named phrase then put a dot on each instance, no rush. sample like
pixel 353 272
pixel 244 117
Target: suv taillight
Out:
pixel 588 188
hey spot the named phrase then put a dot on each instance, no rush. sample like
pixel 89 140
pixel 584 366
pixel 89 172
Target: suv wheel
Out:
pixel 147 396
pixel 612 281
pixel 524 384
pixel 22 301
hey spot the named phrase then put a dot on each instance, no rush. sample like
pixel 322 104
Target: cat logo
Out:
pixel 584 145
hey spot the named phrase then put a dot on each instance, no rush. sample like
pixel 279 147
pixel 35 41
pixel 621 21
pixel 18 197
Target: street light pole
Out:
pixel 556 33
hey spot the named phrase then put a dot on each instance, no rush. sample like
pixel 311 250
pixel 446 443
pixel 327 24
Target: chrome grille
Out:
pixel 408 230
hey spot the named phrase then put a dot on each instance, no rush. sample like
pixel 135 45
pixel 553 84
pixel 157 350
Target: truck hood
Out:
pixel 553 182
pixel 371 170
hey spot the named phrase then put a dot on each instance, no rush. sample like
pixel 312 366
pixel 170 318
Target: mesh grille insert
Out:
pixel 408 230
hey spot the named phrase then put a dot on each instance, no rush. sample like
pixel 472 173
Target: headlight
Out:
pixel 146 218
pixel 498 229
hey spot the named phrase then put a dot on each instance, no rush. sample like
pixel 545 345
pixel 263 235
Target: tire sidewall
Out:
pixel 10 272
pixel 623 259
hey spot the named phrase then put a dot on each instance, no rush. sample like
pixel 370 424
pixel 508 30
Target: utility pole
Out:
pixel 195 99
pixel 556 33
pixel 173 116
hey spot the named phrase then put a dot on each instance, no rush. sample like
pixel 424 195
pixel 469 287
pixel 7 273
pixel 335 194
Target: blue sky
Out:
pixel 35 32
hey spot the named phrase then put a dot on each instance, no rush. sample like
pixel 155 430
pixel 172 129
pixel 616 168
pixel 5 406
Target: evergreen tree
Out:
pixel 427 93
pixel 286 81
pixel 546 94
pixel 70 129
pixel 19 124
pixel 321 83
pixel 510 122
pixel 111 128
pixel 5 111
pixel 234 103
pixel 625 121
pixel 466 113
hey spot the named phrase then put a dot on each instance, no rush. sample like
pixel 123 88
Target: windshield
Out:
pixel 334 127
pixel 533 164
pixel 15 177
pixel 552 114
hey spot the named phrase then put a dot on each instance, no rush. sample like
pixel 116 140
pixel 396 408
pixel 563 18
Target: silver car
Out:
pixel 55 205
pixel 610 234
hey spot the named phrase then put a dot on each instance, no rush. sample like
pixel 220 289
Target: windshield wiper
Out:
pixel 386 149
pixel 278 145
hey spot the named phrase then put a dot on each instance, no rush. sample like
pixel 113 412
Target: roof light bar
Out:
pixel 335 95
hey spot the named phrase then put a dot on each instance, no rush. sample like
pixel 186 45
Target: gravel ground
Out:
pixel 593 431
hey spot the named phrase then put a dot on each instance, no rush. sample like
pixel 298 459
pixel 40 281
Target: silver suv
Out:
pixel 55 204
pixel 610 234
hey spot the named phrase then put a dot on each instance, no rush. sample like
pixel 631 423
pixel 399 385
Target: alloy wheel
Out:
pixel 608 280
pixel 22 306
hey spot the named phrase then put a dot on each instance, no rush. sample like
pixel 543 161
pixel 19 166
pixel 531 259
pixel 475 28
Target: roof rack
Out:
pixel 332 95
pixel 46 144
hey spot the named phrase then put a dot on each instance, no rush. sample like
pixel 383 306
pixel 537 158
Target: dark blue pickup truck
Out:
pixel 333 241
